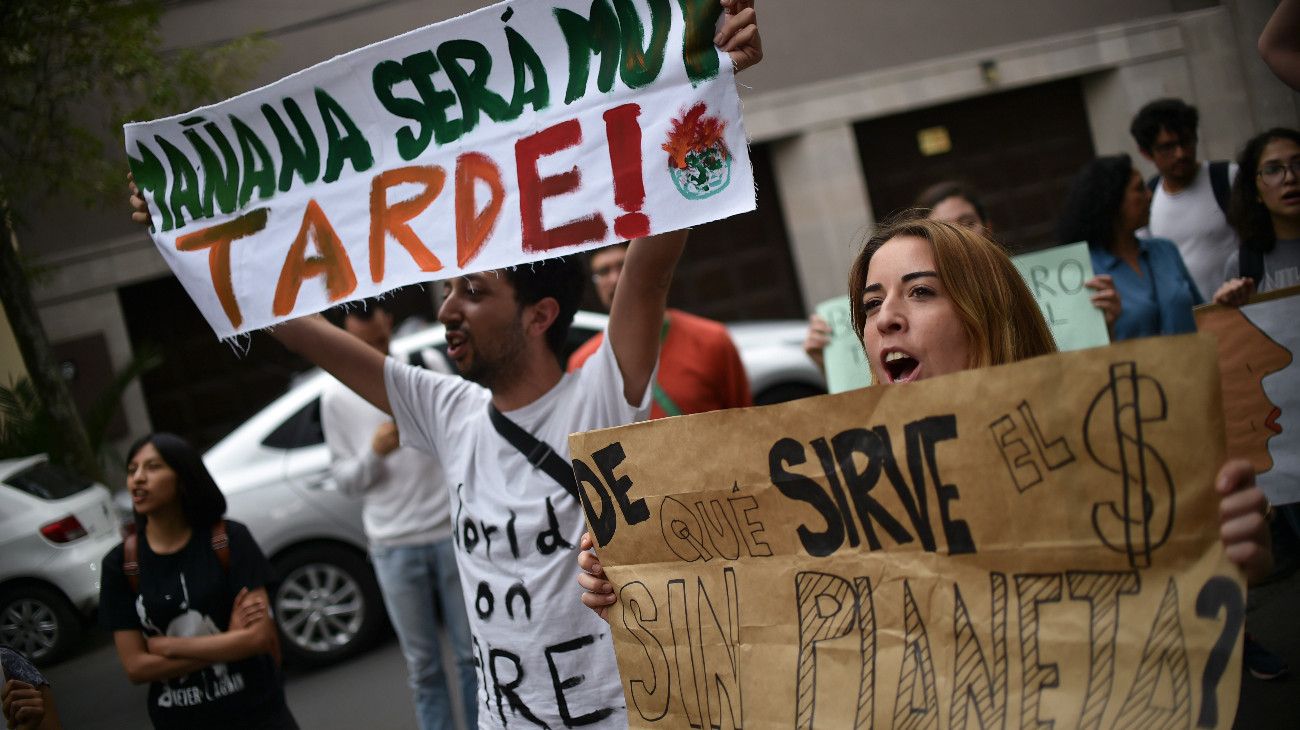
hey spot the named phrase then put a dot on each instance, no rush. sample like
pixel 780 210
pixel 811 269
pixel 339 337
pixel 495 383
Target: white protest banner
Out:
pixel 515 133
pixel 1055 277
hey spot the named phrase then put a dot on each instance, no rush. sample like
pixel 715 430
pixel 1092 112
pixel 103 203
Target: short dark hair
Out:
pixel 1174 115
pixel 361 309
pixel 1246 212
pixel 1093 203
pixel 562 279
pixel 593 253
pixel 941 191
pixel 202 502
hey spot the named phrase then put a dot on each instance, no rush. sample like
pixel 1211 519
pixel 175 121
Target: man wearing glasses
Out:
pixel 1189 200
pixel 699 367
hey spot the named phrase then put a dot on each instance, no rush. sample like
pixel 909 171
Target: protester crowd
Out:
pixel 185 596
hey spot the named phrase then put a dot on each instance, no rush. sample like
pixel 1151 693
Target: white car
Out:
pixel 274 470
pixel 55 529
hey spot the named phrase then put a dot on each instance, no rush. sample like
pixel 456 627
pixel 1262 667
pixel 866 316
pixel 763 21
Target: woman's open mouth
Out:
pixel 901 367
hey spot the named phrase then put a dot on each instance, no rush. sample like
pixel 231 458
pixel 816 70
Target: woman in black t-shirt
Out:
pixel 193 618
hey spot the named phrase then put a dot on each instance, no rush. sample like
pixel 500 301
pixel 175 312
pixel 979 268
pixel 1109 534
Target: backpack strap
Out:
pixel 131 558
pixel 1250 263
pixel 1153 183
pixel 221 545
pixel 1221 184
pixel 538 453
pixel 131 552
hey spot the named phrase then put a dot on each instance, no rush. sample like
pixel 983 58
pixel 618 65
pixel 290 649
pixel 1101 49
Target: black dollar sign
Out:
pixel 1114 434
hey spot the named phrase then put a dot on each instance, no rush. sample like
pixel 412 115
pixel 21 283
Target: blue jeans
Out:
pixel 413 578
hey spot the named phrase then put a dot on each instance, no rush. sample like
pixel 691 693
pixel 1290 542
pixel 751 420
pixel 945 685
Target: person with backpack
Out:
pixel 1189 203
pixel 1265 211
pixel 186 600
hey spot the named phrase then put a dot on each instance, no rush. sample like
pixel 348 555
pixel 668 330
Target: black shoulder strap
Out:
pixel 539 454
pixel 416 358
pixel 1221 184
pixel 1153 183
pixel 1250 262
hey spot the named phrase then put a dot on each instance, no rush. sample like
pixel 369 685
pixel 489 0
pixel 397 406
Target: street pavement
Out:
pixel 370 691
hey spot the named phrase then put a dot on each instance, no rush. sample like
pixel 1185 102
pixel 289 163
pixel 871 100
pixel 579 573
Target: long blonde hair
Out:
pixel 1001 318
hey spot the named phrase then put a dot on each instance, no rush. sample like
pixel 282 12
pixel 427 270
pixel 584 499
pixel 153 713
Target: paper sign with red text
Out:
pixel 519 132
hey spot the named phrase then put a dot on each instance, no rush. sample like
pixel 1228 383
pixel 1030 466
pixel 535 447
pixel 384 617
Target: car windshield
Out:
pixel 48 481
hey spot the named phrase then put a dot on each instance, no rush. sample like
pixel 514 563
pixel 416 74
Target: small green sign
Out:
pixel 846 363
pixel 1056 278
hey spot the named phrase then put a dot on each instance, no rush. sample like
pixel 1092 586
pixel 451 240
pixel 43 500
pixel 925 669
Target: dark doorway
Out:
pixel 204 388
pixel 1019 149
pixel 738 268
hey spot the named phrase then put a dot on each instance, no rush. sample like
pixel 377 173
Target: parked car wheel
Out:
pixel 327 604
pixel 39 622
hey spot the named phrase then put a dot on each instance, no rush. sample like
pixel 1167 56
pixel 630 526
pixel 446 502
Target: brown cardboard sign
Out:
pixel 1008 547
pixel 1260 376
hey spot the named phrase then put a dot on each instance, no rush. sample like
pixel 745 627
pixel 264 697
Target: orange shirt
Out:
pixel 699 367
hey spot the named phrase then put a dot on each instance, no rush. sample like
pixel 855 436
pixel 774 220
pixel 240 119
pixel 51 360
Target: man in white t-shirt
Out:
pixel 1189 198
pixel 543 659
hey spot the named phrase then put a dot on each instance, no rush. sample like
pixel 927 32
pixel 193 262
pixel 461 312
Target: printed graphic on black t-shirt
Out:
pixel 188 593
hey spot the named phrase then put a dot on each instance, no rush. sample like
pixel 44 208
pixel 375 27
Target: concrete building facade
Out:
pixel 833 68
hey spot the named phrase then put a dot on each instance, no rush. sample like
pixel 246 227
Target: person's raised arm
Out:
pixel 637 313
pixel 356 364
pixel 636 316
pixel 1279 44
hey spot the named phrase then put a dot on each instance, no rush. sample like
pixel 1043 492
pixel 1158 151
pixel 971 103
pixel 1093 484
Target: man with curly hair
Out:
pixel 1189 198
